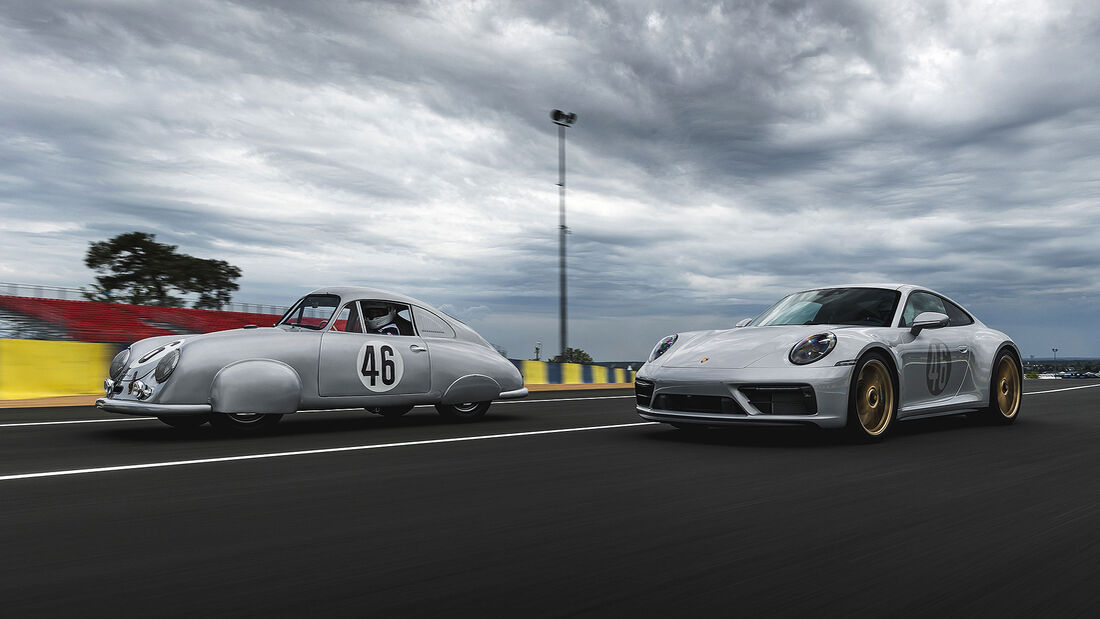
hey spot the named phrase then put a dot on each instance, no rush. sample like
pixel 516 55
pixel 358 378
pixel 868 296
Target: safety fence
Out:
pixel 77 294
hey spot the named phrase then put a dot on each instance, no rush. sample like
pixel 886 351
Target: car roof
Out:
pixel 347 293
pixel 902 288
pixel 890 286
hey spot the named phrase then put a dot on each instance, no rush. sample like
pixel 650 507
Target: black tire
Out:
pixel 185 422
pixel 243 423
pixel 389 411
pixel 872 399
pixel 467 411
pixel 1005 391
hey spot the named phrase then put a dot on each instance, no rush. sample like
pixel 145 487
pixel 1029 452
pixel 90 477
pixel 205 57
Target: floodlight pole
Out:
pixel 562 120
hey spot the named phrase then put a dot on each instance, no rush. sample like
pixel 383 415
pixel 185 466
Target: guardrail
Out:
pixel 35 291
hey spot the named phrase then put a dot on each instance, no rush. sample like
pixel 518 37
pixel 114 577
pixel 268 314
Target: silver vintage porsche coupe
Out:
pixel 336 348
pixel 855 357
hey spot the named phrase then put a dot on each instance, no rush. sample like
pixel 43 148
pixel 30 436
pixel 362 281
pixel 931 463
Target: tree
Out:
pixel 137 269
pixel 574 355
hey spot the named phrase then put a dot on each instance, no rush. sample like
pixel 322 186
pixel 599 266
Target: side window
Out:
pixel 431 325
pixel 395 318
pixel 957 315
pixel 918 303
pixel 348 319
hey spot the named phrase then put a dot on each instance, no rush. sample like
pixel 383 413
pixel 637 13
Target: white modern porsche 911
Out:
pixel 855 357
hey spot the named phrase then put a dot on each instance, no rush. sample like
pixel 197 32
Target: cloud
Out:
pixel 724 155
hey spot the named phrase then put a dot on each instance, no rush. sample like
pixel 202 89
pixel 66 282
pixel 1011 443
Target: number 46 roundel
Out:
pixel 380 366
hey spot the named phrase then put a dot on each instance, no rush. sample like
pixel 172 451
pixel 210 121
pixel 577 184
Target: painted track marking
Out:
pixel 27 424
pixel 1065 389
pixel 309 452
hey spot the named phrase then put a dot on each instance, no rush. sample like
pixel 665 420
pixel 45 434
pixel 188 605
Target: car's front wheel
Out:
pixel 872 403
pixel 243 423
pixel 1005 391
pixel 467 411
pixel 184 422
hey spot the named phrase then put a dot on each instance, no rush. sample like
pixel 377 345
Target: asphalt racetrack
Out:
pixel 562 504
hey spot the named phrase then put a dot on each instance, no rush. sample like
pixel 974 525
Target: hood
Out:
pixel 154 348
pixel 738 348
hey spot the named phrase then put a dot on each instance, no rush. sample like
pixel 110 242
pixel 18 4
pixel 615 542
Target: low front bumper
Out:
pixel 133 407
pixel 713 419
pixel 829 383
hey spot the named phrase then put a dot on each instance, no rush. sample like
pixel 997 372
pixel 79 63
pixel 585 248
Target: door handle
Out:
pixel 964 349
pixel 417 348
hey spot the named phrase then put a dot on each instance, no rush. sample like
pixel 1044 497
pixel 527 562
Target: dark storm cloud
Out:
pixel 725 153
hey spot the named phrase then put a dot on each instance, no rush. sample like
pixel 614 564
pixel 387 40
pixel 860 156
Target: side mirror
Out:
pixel 928 320
pixel 743 322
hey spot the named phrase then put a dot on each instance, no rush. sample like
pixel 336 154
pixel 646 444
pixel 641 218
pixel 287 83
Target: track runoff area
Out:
pixel 559 504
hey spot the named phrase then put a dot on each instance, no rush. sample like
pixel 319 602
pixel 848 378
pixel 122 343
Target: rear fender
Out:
pixel 472 388
pixel 256 386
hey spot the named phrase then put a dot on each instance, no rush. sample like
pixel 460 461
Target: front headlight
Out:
pixel 812 348
pixel 118 364
pixel 663 346
pixel 167 365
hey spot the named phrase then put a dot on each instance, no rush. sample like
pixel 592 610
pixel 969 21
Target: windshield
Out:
pixel 869 307
pixel 311 312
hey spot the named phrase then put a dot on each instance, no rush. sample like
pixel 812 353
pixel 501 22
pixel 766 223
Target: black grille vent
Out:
pixel 697 404
pixel 782 399
pixel 643 391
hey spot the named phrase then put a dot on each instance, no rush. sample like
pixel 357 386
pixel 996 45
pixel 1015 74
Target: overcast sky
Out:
pixel 724 155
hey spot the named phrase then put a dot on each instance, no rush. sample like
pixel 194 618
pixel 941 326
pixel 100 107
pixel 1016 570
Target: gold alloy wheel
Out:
pixel 1007 386
pixel 874 397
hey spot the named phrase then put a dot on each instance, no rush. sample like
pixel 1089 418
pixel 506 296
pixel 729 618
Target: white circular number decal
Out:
pixel 380 366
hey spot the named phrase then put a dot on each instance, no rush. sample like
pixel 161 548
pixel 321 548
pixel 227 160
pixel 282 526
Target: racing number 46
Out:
pixel 383 368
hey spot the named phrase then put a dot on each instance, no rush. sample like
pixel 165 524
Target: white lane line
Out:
pixel 26 424
pixel 309 452
pixel 1066 389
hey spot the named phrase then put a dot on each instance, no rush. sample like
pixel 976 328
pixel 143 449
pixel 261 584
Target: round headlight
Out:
pixel 166 366
pixel 663 346
pixel 812 348
pixel 118 364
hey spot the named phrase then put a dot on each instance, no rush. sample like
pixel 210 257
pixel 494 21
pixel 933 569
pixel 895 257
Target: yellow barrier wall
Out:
pixel 41 369
pixel 546 373
pixel 534 372
pixel 571 374
pixel 599 374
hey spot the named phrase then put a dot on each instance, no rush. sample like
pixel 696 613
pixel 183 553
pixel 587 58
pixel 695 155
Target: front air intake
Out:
pixel 643 391
pixel 782 399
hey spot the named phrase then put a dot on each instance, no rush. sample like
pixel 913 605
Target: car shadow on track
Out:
pixel 307 424
pixel 811 437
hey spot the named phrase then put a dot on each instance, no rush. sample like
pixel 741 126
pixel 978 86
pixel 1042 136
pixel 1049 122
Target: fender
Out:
pixel 471 388
pixel 256 386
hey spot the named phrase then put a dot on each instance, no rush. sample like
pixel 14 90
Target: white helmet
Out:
pixel 384 319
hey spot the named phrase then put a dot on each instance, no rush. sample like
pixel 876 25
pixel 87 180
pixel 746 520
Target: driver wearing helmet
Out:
pixel 380 318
